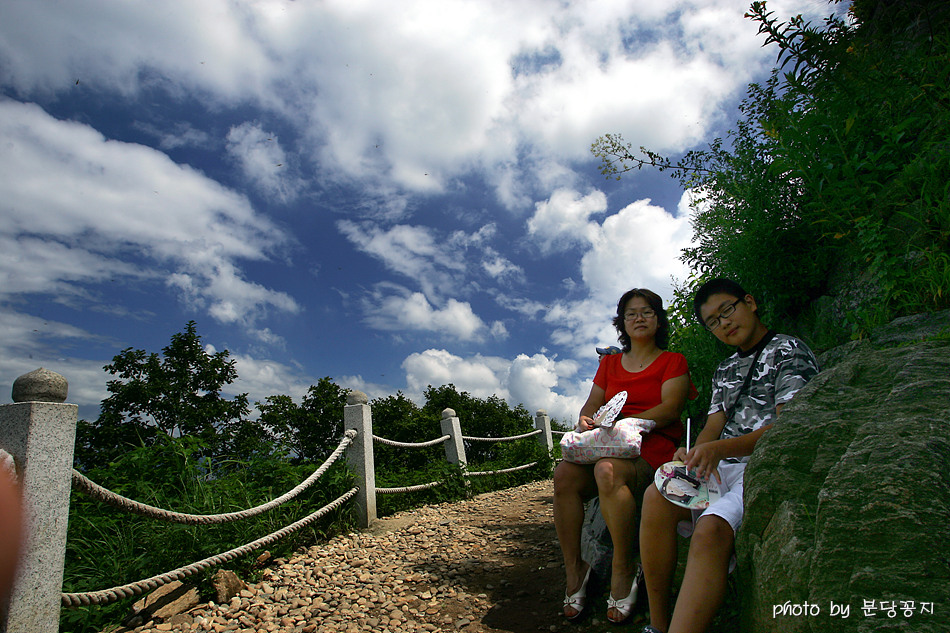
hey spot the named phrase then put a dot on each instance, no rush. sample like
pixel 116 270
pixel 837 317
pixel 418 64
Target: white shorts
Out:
pixel 729 506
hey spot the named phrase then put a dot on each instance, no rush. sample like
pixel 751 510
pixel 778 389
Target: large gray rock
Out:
pixel 848 499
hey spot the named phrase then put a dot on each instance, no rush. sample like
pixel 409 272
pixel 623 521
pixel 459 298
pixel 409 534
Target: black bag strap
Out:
pixel 748 377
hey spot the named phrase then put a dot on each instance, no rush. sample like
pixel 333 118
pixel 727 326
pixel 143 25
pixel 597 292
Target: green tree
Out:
pixel 312 429
pixel 479 417
pixel 177 393
pixel 399 418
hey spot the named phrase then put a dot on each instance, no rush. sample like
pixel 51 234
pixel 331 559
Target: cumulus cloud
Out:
pixel 638 246
pixel 563 220
pixel 394 308
pixel 262 377
pixel 115 202
pixel 537 382
pixel 478 375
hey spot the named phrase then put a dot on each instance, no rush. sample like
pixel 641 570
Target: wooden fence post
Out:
pixel 39 431
pixel 359 454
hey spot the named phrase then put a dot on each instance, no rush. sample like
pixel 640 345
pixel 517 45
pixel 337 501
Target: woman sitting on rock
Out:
pixel 657 384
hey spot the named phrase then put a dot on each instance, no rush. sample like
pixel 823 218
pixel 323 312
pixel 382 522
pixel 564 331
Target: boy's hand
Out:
pixel 703 459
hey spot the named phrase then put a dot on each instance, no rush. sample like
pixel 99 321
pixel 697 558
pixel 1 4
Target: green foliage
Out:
pixel 835 182
pixel 176 394
pixel 398 418
pixel 480 417
pixel 158 441
pixel 311 429
pixel 108 547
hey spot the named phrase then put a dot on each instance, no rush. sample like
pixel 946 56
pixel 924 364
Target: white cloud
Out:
pixel 260 378
pixel 412 251
pixel 537 382
pixel 113 203
pixel 263 161
pixel 403 310
pixel 384 94
pixel 639 246
pixel 479 375
pixel 563 220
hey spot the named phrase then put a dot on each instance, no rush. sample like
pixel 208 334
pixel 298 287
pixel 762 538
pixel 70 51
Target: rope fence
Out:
pixel 107 596
pixel 502 439
pixel 133 589
pixel 455 450
pixel 503 470
pixel 104 495
pixel 439 440
pixel 37 436
pixel 416 488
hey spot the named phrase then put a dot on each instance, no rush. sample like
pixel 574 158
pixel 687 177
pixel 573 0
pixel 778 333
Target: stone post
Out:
pixel 454 448
pixel 359 455
pixel 543 422
pixel 39 431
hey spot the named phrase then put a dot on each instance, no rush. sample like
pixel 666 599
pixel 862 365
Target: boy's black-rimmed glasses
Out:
pixel 726 312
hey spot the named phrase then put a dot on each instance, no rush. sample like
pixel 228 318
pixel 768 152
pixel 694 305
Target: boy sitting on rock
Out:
pixel 748 391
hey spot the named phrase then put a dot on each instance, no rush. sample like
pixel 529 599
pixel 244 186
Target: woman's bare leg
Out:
pixel 573 483
pixel 616 481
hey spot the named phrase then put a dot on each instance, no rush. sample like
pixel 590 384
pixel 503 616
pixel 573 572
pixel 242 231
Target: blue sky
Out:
pixel 392 194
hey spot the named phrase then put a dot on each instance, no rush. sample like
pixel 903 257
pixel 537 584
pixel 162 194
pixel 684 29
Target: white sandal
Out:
pixel 625 606
pixel 576 600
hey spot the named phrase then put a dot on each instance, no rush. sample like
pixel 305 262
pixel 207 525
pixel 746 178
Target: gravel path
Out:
pixel 484 565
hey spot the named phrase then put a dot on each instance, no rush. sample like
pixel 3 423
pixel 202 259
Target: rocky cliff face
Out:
pixel 847 524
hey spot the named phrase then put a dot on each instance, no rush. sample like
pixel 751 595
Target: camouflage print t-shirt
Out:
pixel 784 366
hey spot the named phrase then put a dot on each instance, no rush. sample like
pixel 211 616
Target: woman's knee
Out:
pixel 611 474
pixel 570 479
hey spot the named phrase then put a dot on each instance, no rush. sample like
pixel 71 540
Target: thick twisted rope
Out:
pixel 133 589
pixel 8 464
pixel 559 432
pixel 124 503
pixel 383 440
pixel 504 470
pixel 501 439
pixel 391 491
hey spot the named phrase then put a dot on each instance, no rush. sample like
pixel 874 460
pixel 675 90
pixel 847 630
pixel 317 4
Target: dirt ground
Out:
pixel 524 584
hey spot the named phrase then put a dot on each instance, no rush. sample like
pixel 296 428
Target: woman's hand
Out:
pixel 584 423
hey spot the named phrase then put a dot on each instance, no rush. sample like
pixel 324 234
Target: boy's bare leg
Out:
pixel 616 480
pixel 658 552
pixel 572 484
pixel 707 572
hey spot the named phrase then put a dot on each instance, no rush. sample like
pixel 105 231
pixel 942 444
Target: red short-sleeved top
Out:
pixel 644 392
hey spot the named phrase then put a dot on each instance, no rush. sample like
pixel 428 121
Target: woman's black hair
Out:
pixel 662 337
